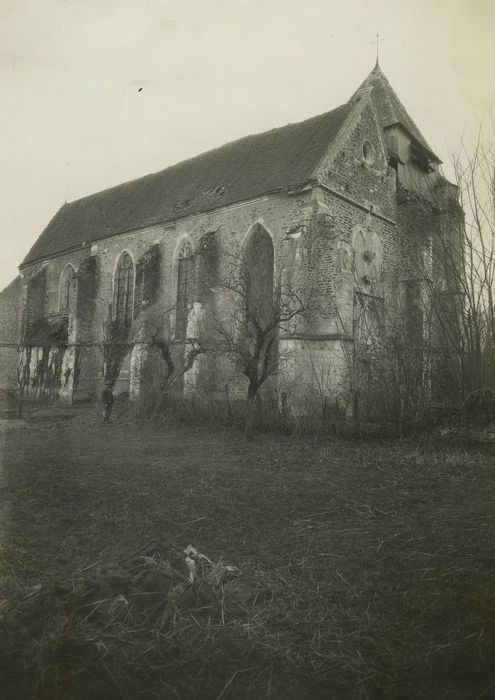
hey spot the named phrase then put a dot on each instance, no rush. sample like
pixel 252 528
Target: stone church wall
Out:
pixel 324 350
pixel 349 241
pixel 359 169
pixel 313 236
pixel 227 227
pixel 10 301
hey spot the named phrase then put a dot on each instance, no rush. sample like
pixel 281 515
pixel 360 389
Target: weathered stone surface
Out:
pixel 350 238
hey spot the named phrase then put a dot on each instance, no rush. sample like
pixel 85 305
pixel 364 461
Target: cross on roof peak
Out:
pixel 377 41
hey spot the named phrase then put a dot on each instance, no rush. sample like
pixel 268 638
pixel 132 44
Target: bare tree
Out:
pixel 255 316
pixel 475 177
pixel 22 377
pixel 441 346
pixel 117 344
pixel 164 359
pixel 168 359
pixel 460 278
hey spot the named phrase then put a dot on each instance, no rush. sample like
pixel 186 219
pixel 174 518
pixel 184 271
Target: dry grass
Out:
pixel 363 571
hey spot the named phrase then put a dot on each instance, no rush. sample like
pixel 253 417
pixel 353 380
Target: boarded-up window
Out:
pixel 185 283
pixel 124 290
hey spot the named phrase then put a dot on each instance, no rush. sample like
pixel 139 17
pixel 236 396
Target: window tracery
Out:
pixel 124 290
pixel 185 283
pixel 368 260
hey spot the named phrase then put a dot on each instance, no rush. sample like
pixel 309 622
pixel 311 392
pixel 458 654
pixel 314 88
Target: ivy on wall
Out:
pixel 88 277
pixel 147 286
pixel 207 266
pixel 47 332
pixel 87 288
pixel 40 371
pixel 36 293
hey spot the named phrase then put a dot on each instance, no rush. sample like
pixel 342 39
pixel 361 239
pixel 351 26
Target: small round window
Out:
pixel 368 152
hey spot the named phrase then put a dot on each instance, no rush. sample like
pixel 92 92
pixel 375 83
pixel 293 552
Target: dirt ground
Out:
pixel 354 570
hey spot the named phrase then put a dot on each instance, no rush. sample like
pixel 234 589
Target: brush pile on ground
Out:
pixel 160 621
pixel 365 571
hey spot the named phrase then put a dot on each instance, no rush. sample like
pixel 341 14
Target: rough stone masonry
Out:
pixel 344 205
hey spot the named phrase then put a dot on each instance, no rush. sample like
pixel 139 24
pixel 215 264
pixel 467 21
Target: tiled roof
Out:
pixel 247 168
pixel 390 109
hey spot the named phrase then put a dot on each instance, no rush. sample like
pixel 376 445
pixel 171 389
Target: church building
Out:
pixel 344 206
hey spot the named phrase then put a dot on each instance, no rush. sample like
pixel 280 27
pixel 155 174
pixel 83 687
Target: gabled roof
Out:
pixel 390 109
pixel 241 170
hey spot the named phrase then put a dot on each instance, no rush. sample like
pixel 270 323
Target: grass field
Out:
pixel 332 570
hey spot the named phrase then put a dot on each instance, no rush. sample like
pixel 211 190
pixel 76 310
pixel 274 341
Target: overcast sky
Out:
pixel 74 119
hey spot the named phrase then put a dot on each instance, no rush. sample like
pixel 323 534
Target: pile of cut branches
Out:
pixel 159 624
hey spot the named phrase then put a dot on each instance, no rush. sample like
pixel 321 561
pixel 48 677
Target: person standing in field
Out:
pixel 107 400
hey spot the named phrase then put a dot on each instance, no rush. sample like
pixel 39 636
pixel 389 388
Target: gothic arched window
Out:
pixel 68 285
pixel 124 290
pixel 257 275
pixel 185 283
